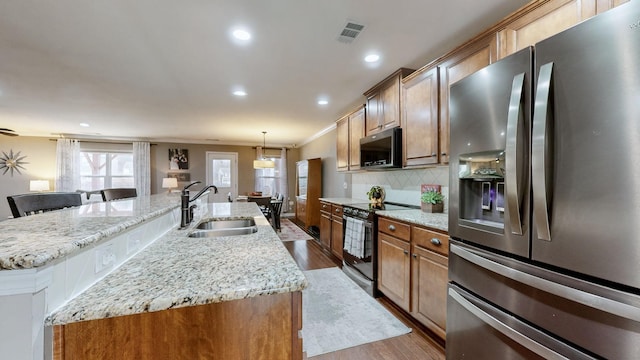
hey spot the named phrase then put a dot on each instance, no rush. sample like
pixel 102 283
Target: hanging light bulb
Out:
pixel 264 163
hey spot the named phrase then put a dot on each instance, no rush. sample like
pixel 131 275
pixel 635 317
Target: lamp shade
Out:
pixel 39 185
pixel 168 183
pixel 264 164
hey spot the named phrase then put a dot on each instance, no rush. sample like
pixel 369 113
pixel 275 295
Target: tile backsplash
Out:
pixel 401 186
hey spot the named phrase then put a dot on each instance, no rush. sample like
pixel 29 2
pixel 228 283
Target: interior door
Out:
pixel 222 171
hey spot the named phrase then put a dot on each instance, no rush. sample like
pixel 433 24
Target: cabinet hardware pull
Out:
pixel 415 256
pixel 436 241
pixel 444 154
pixel 406 252
pixel 392 228
pixel 433 154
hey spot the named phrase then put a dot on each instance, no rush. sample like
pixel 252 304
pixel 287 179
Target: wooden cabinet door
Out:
pixel 429 291
pixel 373 114
pixel 390 104
pixel 394 269
pixel 545 21
pixel 325 230
pixel 342 144
pixel 336 237
pixel 301 210
pixel 420 118
pixel 356 131
pixel 456 67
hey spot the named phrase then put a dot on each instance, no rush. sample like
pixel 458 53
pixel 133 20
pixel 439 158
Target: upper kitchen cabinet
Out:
pixel 457 65
pixel 420 117
pixel 384 103
pixel 548 19
pixel 350 129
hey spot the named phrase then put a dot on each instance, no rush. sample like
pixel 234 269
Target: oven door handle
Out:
pixel 367 224
pixel 504 329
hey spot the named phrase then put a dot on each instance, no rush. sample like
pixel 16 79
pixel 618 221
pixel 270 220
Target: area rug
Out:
pixel 291 232
pixel 337 314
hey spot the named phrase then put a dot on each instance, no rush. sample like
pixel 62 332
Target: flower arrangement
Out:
pixel 432 197
pixel 432 201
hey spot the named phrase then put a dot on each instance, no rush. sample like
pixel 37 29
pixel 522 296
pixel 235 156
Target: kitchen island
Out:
pixel 178 297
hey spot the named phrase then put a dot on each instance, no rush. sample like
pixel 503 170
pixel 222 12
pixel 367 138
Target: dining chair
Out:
pixel 118 193
pixel 30 204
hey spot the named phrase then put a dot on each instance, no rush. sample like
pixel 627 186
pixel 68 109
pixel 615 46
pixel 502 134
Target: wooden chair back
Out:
pixel 118 193
pixel 29 204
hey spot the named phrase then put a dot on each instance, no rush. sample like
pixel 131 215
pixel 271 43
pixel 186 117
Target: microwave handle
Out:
pixel 541 150
pixel 513 152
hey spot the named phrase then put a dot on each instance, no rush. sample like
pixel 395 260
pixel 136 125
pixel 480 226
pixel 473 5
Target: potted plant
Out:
pixel 376 195
pixel 431 201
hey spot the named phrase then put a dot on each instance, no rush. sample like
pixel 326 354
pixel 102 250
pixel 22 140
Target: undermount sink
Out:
pixel 226 224
pixel 216 228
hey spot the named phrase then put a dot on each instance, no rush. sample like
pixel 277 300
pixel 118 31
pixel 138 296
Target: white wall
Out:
pixel 40 165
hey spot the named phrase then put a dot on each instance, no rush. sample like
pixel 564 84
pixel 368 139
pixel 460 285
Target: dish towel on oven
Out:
pixel 354 237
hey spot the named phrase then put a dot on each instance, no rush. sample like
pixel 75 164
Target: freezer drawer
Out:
pixel 601 320
pixel 477 330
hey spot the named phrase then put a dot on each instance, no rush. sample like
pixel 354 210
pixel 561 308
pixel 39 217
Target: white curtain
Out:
pixel 142 167
pixel 67 165
pixel 284 180
pixel 258 172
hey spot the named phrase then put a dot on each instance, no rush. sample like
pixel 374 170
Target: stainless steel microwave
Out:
pixel 382 150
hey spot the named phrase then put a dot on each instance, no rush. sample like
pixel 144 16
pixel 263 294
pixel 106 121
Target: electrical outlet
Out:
pixel 105 257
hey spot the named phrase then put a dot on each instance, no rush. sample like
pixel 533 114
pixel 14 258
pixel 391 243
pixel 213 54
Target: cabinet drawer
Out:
pixel 336 210
pixel 394 228
pixel 430 240
pixel 325 207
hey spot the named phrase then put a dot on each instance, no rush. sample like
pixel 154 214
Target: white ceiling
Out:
pixel 164 69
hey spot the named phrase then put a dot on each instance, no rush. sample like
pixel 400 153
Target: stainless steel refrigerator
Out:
pixel 544 203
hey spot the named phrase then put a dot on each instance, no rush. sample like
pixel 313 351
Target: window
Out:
pixel 268 180
pixel 105 170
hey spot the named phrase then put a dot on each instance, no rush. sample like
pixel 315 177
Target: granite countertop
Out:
pixel 344 201
pixel 178 271
pixel 439 221
pixel 34 241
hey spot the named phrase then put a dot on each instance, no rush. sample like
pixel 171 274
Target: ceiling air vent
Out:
pixel 350 31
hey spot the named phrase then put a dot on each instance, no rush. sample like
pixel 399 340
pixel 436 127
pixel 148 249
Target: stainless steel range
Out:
pixel 359 237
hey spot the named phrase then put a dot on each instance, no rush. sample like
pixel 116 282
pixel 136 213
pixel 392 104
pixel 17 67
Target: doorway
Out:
pixel 222 171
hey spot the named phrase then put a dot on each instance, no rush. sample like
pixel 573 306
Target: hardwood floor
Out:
pixel 416 345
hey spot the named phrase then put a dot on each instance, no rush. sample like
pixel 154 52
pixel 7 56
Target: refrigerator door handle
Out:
pixel 504 329
pixel 588 299
pixel 540 152
pixel 513 152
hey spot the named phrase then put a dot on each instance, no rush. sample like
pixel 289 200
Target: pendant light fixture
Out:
pixel 264 163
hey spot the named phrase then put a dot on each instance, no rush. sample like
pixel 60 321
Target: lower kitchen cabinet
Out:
pixel 413 271
pixel 331 228
pixel 325 224
pixel 394 269
pixel 429 289
pixel 336 231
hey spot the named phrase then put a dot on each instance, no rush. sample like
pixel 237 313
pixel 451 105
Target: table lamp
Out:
pixel 169 183
pixel 39 185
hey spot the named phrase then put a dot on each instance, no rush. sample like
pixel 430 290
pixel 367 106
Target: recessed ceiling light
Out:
pixel 241 34
pixel 323 102
pixel 372 58
pixel 240 93
pixel 84 124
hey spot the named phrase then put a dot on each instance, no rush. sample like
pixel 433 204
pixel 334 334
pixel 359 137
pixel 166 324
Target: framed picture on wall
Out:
pixel 178 159
pixel 181 176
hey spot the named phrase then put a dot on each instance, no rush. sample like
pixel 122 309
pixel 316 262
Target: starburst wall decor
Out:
pixel 12 162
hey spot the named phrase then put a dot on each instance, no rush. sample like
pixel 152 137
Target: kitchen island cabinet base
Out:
pixel 261 327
